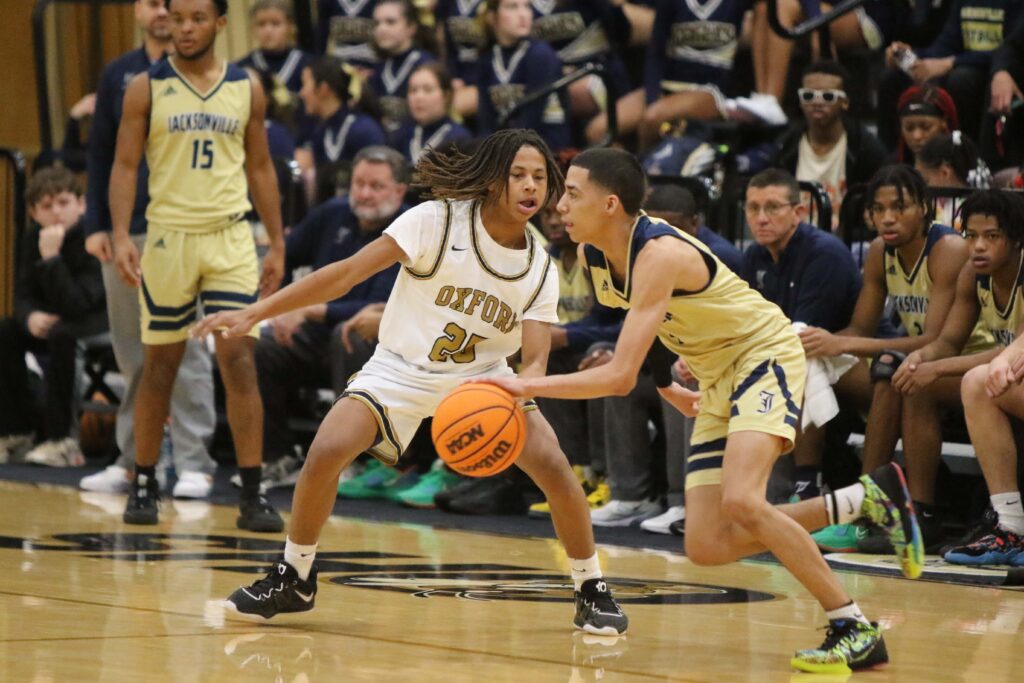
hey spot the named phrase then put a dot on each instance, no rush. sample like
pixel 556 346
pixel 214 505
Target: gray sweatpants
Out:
pixel 631 473
pixel 192 413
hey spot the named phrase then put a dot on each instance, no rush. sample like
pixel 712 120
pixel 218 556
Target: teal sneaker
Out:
pixel 370 483
pixel 888 506
pixel 839 538
pixel 421 495
pixel 849 645
pixel 405 481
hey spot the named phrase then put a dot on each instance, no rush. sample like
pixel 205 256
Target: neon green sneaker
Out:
pixel 839 538
pixel 849 645
pixel 887 505
pixel 421 495
pixel 370 483
pixel 600 497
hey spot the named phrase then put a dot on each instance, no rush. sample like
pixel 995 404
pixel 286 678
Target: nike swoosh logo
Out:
pixel 850 503
pixel 1014 502
pixel 305 598
pixel 457 249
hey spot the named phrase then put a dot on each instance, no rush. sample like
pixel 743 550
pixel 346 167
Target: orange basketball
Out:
pixel 479 429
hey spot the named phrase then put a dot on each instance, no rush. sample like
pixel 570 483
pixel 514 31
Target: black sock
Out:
pixel 148 472
pixel 250 481
pixel 805 482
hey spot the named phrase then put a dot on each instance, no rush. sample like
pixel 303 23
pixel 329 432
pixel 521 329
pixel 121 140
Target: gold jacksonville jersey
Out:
pixel 712 329
pixel 195 150
pixel 1002 323
pixel 575 297
pixel 911 292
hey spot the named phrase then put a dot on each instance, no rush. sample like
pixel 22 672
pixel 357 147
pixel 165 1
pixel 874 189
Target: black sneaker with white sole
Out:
pixel 281 592
pixel 596 610
pixel 142 503
pixel 257 514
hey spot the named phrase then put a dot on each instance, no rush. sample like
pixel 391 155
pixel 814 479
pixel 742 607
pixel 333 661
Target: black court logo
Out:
pixel 420 577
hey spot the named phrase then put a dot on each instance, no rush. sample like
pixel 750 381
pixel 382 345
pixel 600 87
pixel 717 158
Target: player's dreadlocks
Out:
pixel 462 176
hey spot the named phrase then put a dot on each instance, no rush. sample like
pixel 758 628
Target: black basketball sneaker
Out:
pixel 596 610
pixel 281 592
pixel 257 514
pixel 142 500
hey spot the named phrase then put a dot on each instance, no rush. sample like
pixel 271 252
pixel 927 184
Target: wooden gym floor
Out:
pixel 85 597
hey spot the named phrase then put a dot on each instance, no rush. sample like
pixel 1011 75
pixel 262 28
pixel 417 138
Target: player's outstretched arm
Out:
pixel 656 273
pixel 325 284
pixel 131 143
pixel 259 170
pixel 535 349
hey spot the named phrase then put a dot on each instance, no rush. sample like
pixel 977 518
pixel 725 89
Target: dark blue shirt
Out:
pixel 600 324
pixel 726 252
pixel 510 73
pixel 103 142
pixel 816 280
pixel 464 37
pixel 344 30
pixel 343 134
pixel 583 31
pixel 330 233
pixel 413 139
pixel 390 83
pixel 286 65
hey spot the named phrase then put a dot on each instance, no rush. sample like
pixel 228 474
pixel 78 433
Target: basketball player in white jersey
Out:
pixel 475 288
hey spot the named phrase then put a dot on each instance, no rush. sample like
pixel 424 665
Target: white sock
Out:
pixel 583 570
pixel 1010 511
pixel 850 611
pixel 300 556
pixel 843 506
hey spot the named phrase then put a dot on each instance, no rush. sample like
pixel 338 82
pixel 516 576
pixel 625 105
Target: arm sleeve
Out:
pixel 1010 55
pixel 323 25
pixel 377 290
pixel 301 240
pixel 72 283
pixel 602 324
pixel 821 286
pixel 655 58
pixel 658 364
pixel 614 22
pixel 102 141
pixel 544 308
pixel 24 299
pixel 950 40
pixel 418 233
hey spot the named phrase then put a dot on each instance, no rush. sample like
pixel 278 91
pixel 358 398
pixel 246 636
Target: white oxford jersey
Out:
pixel 459 302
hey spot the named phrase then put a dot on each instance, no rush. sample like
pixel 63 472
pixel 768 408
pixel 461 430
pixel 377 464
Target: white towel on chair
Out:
pixel 820 403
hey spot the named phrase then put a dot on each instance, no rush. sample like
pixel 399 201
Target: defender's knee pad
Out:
pixel 884 365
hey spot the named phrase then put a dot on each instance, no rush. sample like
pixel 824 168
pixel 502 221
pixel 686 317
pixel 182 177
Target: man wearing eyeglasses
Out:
pixel 827 146
pixel 808 273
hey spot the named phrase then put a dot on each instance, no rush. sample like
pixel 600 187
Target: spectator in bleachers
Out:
pixel 1005 122
pixel 828 147
pixel 344 30
pixel 992 394
pixel 341 132
pixel 304 347
pixel 924 113
pixel 280 116
pixel 462 39
pixel 915 262
pixel 58 299
pixel 515 65
pixel 273 27
pixel 929 379
pixel 397 37
pixel 430 101
pixel 808 273
pixel 958 59
pixel 950 160
pixel 582 323
pixel 192 413
pixel 871 26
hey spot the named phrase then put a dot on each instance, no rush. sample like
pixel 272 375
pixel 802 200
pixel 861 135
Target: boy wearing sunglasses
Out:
pixel 828 147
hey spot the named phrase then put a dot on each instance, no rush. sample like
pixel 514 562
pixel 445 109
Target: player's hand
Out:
pixel 273 269
pixel 98 244
pixel 922 375
pixel 682 372
pixel 1004 89
pixel 512 385
pixel 50 241
pixel 819 343
pixel 682 399
pixel 1001 375
pixel 226 323
pixel 83 107
pixel 365 324
pixel 40 323
pixel 597 358
pixel 126 257
pixel 927 69
pixel 901 377
pixel 286 325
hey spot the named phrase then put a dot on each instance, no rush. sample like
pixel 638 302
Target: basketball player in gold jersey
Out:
pixel 751 370
pixel 199 122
